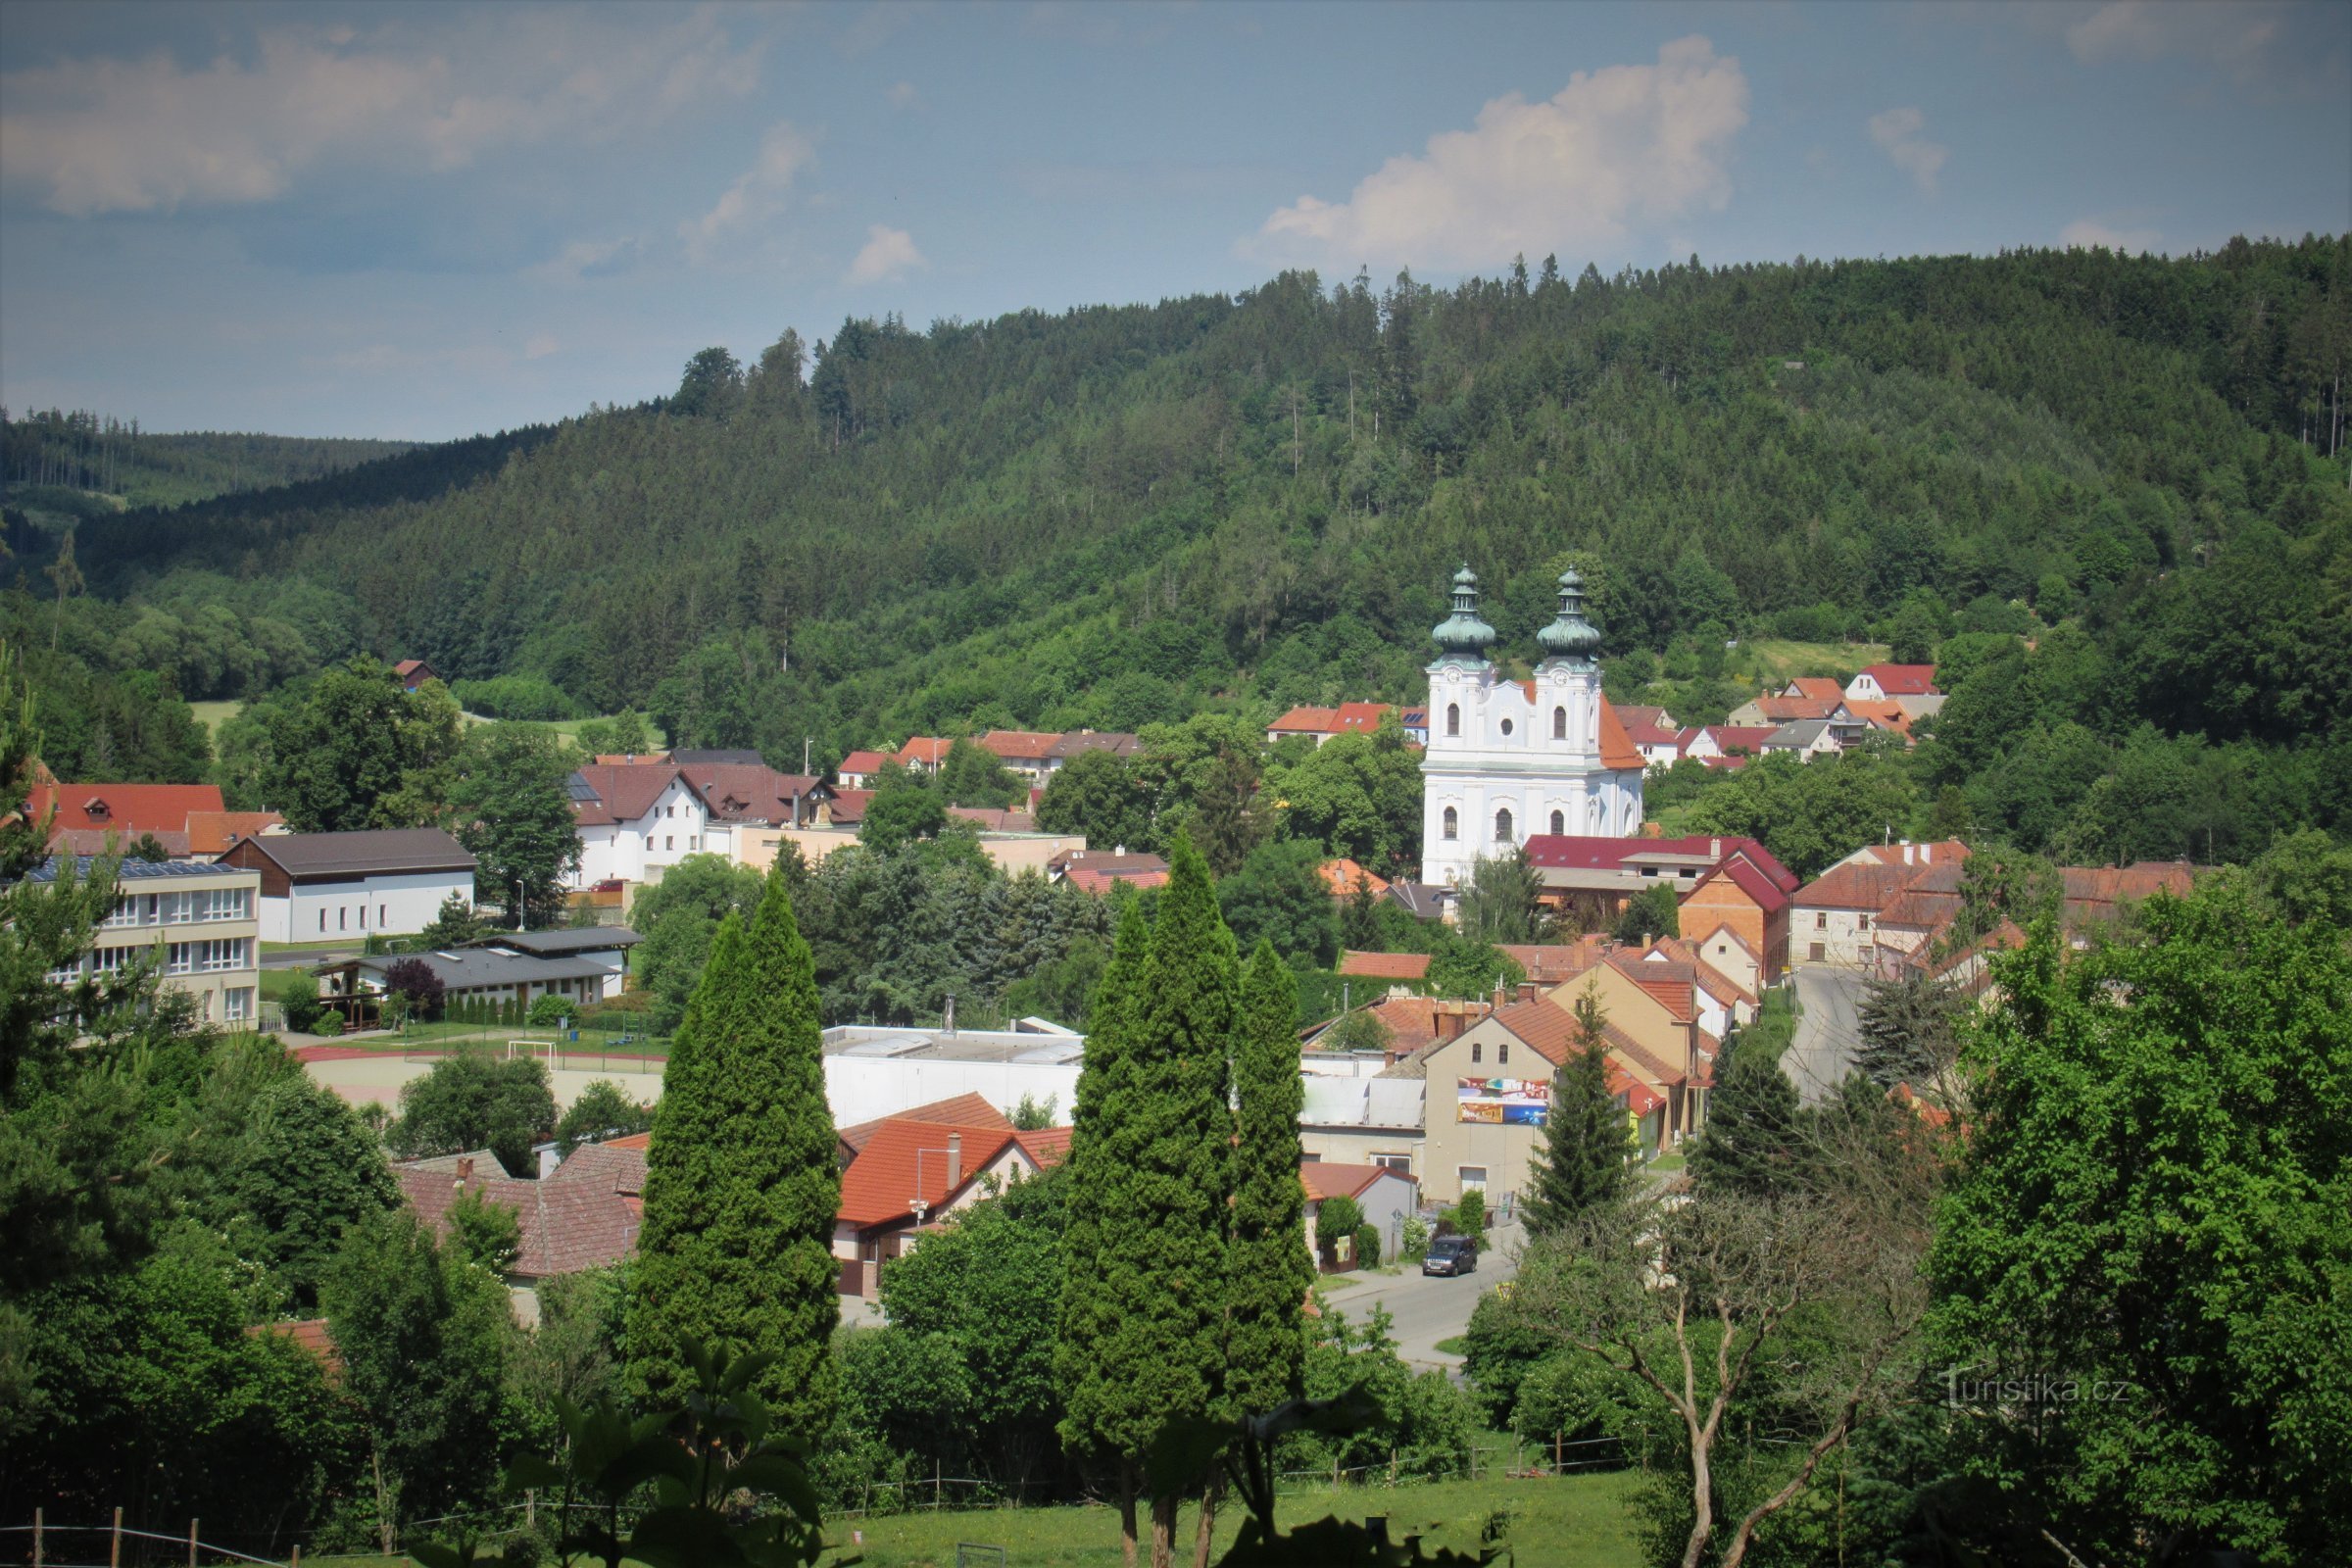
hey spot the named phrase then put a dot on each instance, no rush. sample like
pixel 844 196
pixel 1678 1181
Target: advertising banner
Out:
pixel 1502 1101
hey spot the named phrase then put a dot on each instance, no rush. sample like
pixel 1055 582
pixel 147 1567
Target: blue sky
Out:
pixel 424 220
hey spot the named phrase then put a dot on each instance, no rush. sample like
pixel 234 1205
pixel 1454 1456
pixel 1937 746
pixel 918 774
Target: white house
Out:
pixel 1387 1197
pixel 633 817
pixel 385 882
pixel 1877 683
pixel 1507 759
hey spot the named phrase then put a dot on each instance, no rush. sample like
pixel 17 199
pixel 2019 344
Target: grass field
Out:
pixel 212 716
pixel 1576 1522
pixel 1780 660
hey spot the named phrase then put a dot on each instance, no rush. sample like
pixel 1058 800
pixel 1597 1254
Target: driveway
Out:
pixel 1427 1308
pixel 1826 1031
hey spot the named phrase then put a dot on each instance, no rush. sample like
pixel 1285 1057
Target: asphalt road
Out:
pixel 1427 1308
pixel 1826 1031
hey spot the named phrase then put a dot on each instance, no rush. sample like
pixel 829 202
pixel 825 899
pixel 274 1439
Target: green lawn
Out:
pixel 1782 660
pixel 212 715
pixel 1579 1521
pixel 1459 1345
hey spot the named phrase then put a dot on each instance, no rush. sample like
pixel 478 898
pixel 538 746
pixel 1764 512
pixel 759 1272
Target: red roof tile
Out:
pixel 128 809
pixel 1360 718
pixel 928 750
pixel 1386 966
pixel 906 1161
pixel 310 1334
pixel 1047 1147
pixel 862 762
pixel 583 1214
pixel 1018 745
pixel 213 832
pixel 960 1110
pixel 1324 1179
pixel 1342 875
pixel 1305 721
pixel 1903 680
pixel 1817 686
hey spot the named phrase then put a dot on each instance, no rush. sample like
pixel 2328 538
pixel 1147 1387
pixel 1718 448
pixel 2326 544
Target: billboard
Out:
pixel 1502 1101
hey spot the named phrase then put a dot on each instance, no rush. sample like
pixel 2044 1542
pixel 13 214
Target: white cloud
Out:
pixel 1614 148
pixel 887 252
pixel 103 133
pixel 2085 233
pixel 1897 133
pixel 540 346
pixel 756 194
pixel 901 95
pixel 2234 36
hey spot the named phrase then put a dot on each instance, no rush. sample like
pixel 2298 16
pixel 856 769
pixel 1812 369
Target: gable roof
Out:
pixel 1046 1146
pixel 409 667
pixel 363 853
pixel 1077 742
pixel 1617 749
pixel 1797 734
pixel 1547 963
pixel 1324 1179
pixel 928 750
pixel 1018 745
pixel 1360 718
pixel 127 809
pixel 1786 709
pixel 1741 737
pixel 1713 981
pixel 1342 875
pixel 213 832
pixel 582 1214
pixel 1385 965
pixel 1594 853
pixel 905 1161
pixel 1818 687
pixel 1743 874
pixel 1097 880
pixel 753 792
pixel 862 763
pixel 1902 680
pixel 1424 900
pixel 958 1110
pixel 604 794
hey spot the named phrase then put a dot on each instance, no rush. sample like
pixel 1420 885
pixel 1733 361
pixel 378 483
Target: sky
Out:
pixel 423 220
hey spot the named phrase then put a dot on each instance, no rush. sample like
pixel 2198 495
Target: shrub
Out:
pixel 416 980
pixel 1338 1216
pixel 1413 1245
pixel 300 1001
pixel 548 1010
pixel 1467 1217
pixel 1367 1245
pixel 327 1024
pixel 519 696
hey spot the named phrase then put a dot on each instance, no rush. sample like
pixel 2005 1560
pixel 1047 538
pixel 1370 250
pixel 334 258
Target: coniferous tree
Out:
pixel 1270 1270
pixel 1753 1141
pixel 1587 1158
pixel 741 1188
pixel 1099 1419
pixel 1910 1031
pixel 1165 1222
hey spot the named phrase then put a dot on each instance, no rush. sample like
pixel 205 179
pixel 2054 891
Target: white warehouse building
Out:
pixel 385 882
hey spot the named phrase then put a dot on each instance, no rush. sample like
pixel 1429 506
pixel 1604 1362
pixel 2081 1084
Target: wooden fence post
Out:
pixel 297 1563
pixel 38 1525
pixel 191 1544
pixel 114 1555
pixel 1555 1452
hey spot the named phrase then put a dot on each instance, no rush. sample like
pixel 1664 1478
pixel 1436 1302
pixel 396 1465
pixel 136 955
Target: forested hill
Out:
pixel 1119 514
pixel 80 463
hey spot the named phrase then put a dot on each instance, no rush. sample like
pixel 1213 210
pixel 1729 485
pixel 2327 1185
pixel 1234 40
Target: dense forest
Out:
pixel 2113 486
pixel 51 453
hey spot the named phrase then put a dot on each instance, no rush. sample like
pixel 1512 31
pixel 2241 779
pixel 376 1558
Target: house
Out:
pixel 1079 742
pixel 385 882
pixel 923 753
pixel 1726 952
pixel 858 770
pixel 637 819
pixel 1803 739
pixel 198 923
pixel 1344 877
pixel 1835 916
pixel 902 1175
pixel 1408 967
pixel 211 833
pixel 414 674
pixel 1595 878
pixel 606 945
pixel 1322 723
pixel 1878 682
pixel 957 1110
pixel 1550 964
pixel 1023 752
pixel 1414 721
pixel 1821 688
pixel 1652 733
pixel 1423 901
pixel 87 816
pixel 1772 710
pixel 583 1214
pixel 1096 870
pixel 1385 1195
pixel 355 986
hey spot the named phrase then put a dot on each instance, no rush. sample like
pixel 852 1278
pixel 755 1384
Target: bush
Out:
pixel 1413 1245
pixel 416 980
pixel 521 697
pixel 300 999
pixel 1338 1217
pixel 1466 1218
pixel 1367 1247
pixel 548 1010
pixel 326 1025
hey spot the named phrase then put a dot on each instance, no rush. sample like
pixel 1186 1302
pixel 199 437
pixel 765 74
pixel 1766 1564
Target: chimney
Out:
pixel 465 1171
pixel 954 1161
pixel 1653 830
pixel 1714 849
pixel 1529 991
pixel 948 1022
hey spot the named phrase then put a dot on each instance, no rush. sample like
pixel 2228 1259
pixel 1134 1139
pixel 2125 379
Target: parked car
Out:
pixel 1450 1254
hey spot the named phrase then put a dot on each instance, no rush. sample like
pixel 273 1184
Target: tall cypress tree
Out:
pixel 1098 1417
pixel 1269 1267
pixel 1589 1148
pixel 1165 1211
pixel 1753 1141
pixel 741 1186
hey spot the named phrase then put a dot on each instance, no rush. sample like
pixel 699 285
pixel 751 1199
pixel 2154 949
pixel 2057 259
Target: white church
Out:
pixel 1511 758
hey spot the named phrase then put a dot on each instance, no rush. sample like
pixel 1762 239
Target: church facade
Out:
pixel 1506 759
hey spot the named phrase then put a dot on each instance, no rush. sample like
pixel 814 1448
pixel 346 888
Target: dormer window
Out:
pixel 97 811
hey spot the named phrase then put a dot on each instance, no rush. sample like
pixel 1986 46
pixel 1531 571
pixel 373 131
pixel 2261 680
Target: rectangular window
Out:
pixel 669 842
pixel 1502 1053
pixel 181 959
pixel 1310 1160
pixel 1396 1163
pixel 1478 1050
pixel 380 918
pixel 1473 1178
pixel 1821 921
pixel 363 917
pixel 236 1003
pixel 322 920
pixel 342 916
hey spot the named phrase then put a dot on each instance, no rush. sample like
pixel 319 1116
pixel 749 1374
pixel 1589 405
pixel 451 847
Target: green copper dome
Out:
pixel 1571 636
pixel 1462 632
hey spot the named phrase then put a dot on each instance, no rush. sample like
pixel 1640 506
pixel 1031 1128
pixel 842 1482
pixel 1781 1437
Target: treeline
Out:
pixel 80 449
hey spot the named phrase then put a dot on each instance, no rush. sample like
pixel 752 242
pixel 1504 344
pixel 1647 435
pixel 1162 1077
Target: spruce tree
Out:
pixel 1269 1267
pixel 1587 1159
pixel 1098 1420
pixel 1753 1141
pixel 1165 1213
pixel 741 1186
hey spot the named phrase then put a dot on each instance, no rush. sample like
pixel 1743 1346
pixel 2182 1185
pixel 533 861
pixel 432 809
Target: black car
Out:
pixel 1450 1254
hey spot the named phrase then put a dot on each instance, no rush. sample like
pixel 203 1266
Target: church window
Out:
pixel 1454 719
pixel 1559 723
pixel 1506 726
pixel 1559 823
pixel 1452 823
pixel 1502 825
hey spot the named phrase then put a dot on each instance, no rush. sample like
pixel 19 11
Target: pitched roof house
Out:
pixel 129 810
pixel 1878 682
pixel 905 1174
pixel 415 673
pixel 585 1213
pixel 383 882
pixel 858 767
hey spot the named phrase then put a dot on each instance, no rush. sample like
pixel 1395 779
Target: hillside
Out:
pixel 1118 515
pixel 61 466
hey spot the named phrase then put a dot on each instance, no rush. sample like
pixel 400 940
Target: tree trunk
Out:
pixel 1204 1539
pixel 1127 1510
pixel 1163 1528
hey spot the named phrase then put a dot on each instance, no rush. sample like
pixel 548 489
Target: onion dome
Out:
pixel 1462 632
pixel 1571 636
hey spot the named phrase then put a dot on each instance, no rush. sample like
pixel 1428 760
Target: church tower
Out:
pixel 1509 760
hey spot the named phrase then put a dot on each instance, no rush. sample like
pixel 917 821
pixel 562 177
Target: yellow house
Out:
pixel 1654 1007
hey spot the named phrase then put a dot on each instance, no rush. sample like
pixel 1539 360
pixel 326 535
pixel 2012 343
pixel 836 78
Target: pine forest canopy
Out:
pixel 1122 514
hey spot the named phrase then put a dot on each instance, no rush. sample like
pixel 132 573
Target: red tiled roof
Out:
pixel 1342 875
pixel 310 1334
pixel 1551 1031
pixel 1617 749
pixel 1788 710
pixel 213 832
pixel 92 841
pixel 1743 875
pixel 583 1214
pixel 1588 853
pixel 848 806
pixel 862 762
pixel 1386 966
pixel 960 1110
pixel 1412 1021
pixel 637 1141
pixel 737 792
pixel 1552 963
pixel 1096 880
pixel 905 1161
pixel 995 818
pixel 928 750
pixel 1859 885
pixel 1360 718
pixel 1741 737
pixel 1668 983
pixel 1713 981
pixel 1887 715
pixel 1820 687
pixel 2094 891
pixel 128 809
pixel 1011 745
pixel 1903 680
pixel 1323 1179
pixel 1305 721
pixel 1048 1147
pixel 624 790
pixel 409 666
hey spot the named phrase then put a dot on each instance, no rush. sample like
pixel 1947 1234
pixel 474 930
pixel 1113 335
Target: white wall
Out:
pixel 396 905
pixel 862 1088
pixel 678 825
pixel 1483 769
pixel 1845 935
